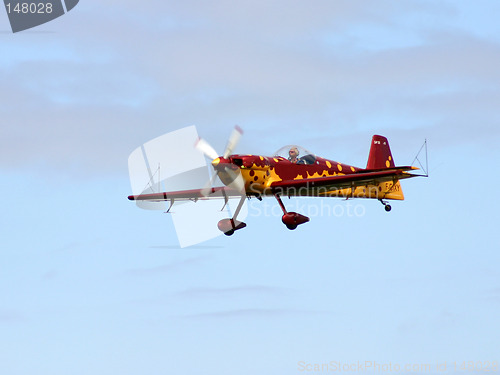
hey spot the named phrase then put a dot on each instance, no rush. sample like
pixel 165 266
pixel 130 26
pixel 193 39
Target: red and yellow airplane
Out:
pixel 292 172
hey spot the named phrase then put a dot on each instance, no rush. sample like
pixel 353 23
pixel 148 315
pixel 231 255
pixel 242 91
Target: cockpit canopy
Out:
pixel 304 156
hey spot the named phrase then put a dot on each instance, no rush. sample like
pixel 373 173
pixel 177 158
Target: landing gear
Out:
pixel 387 206
pixel 229 226
pixel 291 219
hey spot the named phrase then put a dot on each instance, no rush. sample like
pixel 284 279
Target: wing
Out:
pixel 362 178
pixel 185 195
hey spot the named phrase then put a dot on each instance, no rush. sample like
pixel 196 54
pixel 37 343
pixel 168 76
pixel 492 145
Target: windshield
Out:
pixel 296 154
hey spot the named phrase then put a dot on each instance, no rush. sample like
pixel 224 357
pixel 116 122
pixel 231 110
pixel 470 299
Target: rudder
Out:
pixel 380 154
pixel 380 157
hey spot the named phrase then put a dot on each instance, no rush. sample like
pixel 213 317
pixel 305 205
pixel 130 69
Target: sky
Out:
pixel 91 284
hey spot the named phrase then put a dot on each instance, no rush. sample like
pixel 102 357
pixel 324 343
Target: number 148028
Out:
pixel 32 8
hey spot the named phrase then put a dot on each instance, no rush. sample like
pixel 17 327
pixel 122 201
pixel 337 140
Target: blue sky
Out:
pixel 91 284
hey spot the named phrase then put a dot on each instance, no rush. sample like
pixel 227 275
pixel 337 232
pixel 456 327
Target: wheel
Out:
pixel 229 232
pixel 291 226
pixel 387 207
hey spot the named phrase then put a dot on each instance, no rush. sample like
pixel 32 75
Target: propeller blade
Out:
pixel 237 180
pixel 233 141
pixel 207 189
pixel 204 147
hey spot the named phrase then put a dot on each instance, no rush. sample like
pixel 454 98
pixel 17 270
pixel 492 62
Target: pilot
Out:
pixel 293 155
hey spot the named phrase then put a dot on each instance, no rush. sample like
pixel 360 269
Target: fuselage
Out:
pixel 260 172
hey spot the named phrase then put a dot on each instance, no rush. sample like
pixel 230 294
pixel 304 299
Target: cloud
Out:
pixel 248 290
pixel 254 313
pixel 11 316
pixel 493 295
pixel 50 275
pixel 84 99
pixel 172 267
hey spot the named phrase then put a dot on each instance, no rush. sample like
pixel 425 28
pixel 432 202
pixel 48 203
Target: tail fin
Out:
pixel 380 157
pixel 380 154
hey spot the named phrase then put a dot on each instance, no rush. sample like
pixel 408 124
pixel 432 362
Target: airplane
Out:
pixel 294 172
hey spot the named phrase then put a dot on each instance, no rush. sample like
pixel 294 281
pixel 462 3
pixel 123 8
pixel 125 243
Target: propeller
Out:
pixel 233 140
pixel 204 147
pixel 221 164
